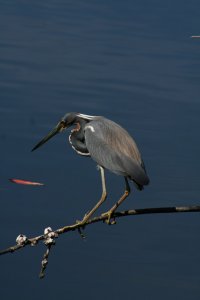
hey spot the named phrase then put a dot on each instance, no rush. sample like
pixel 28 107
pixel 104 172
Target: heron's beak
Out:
pixel 56 130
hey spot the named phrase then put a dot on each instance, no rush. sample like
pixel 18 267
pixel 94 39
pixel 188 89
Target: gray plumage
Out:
pixel 113 148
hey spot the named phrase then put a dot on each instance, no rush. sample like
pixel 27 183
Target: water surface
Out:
pixel 133 62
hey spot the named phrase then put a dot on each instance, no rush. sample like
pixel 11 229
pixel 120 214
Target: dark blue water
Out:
pixel 133 62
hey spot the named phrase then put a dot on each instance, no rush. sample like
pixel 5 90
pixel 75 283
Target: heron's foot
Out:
pixel 108 216
pixel 83 221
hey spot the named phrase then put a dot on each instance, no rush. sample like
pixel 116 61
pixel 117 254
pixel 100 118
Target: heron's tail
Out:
pixel 138 186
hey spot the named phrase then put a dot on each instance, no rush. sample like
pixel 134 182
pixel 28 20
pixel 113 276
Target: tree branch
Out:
pixel 49 235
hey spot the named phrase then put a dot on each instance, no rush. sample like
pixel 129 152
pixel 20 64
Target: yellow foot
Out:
pixel 83 221
pixel 108 216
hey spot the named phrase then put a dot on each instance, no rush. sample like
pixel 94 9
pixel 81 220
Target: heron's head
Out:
pixel 68 120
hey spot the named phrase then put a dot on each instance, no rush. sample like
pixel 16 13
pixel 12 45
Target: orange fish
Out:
pixel 20 181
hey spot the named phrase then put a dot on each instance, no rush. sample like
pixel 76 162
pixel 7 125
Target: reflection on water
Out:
pixel 136 64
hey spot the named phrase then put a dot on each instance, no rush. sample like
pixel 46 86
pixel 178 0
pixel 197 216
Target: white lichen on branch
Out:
pixel 21 239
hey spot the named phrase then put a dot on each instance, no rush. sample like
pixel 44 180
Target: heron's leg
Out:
pixel 118 203
pixel 102 199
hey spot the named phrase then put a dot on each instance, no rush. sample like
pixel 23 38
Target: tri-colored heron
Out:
pixel 110 146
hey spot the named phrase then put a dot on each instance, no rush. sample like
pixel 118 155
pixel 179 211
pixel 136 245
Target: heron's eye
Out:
pixel 62 124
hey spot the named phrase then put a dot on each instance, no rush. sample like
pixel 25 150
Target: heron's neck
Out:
pixel 77 138
pixel 78 131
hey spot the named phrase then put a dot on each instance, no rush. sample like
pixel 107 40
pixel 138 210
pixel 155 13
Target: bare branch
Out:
pixel 157 210
pixel 45 261
pixel 49 235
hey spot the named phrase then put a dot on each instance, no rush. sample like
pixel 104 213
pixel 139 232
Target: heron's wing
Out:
pixel 113 148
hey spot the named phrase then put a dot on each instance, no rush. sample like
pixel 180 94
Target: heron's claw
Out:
pixel 108 216
pixel 83 236
pixel 81 227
